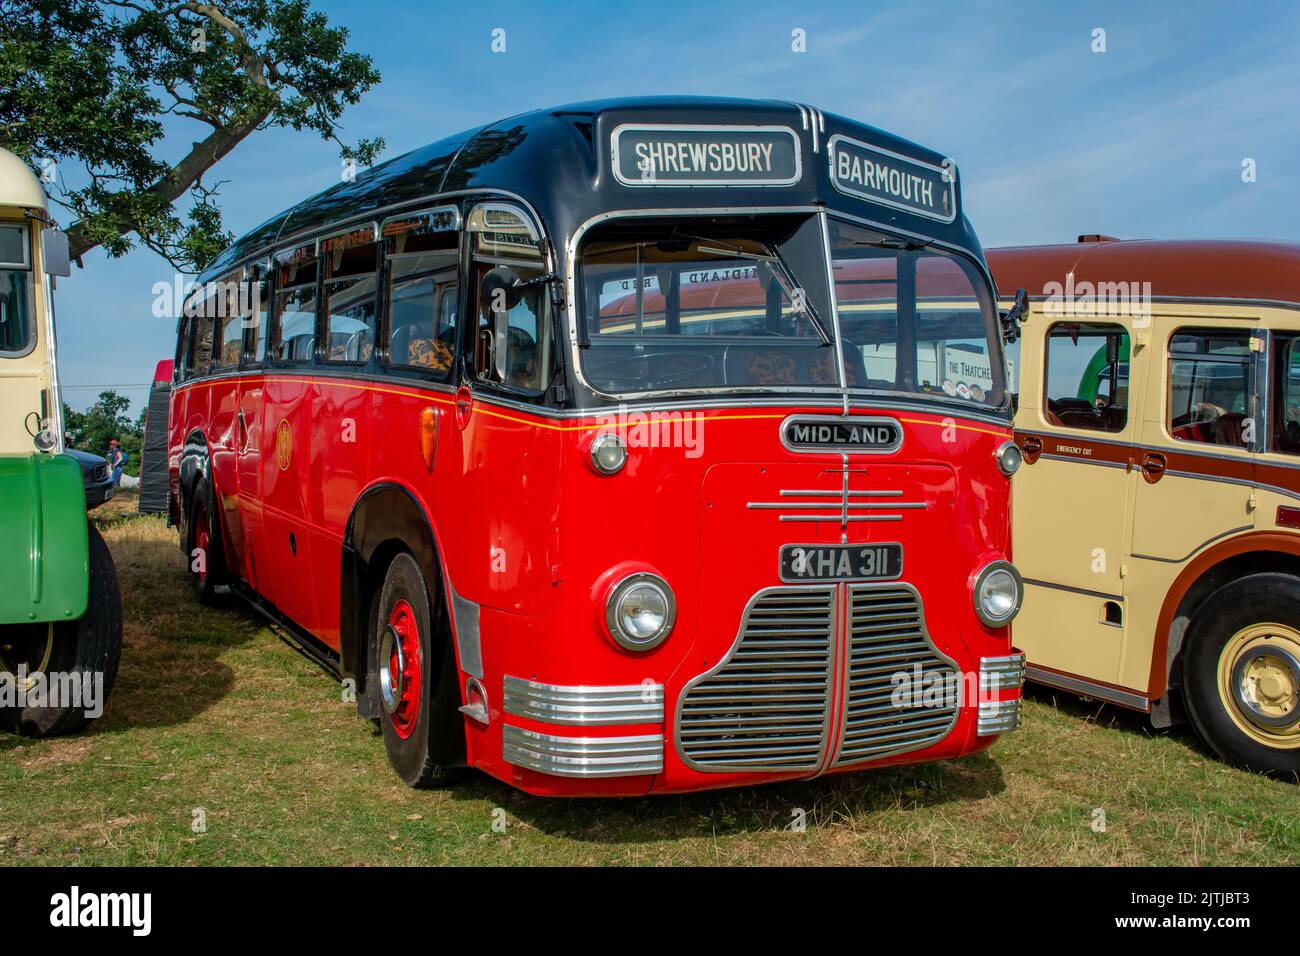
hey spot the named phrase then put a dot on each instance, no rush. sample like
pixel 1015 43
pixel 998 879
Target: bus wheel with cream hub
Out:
pixel 1242 672
pixel 415 671
pixel 87 650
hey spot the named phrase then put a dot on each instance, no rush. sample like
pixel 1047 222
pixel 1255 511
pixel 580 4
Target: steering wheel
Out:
pixel 630 367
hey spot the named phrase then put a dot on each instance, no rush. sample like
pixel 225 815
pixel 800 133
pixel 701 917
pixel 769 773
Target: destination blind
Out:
pixel 648 155
pixel 880 176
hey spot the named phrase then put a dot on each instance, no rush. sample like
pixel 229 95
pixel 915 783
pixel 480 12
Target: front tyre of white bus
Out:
pixel 415 668
pixel 87 650
pixel 1241 673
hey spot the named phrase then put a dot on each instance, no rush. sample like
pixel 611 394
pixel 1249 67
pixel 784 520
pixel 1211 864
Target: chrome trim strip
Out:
pixel 1002 673
pixel 1087 688
pixel 583 704
pixel 1228 533
pixel 582 756
pixel 998 717
pixel 469 645
pixel 1073 590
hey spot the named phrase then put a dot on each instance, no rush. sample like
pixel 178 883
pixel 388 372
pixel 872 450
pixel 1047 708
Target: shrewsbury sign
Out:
pixel 880 176
pixel 657 155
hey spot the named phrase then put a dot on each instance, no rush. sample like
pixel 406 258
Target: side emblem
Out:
pixel 283 444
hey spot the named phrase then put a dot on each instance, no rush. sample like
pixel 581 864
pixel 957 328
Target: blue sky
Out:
pixel 1144 140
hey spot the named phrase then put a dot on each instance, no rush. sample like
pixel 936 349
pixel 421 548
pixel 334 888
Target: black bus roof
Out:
pixel 560 161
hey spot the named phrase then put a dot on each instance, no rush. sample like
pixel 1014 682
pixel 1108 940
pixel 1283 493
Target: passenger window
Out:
pixel 350 262
pixel 295 305
pixel 1286 395
pixel 258 315
pixel 423 254
pixel 512 341
pixel 1211 387
pixel 226 304
pixel 1087 376
pixel 201 345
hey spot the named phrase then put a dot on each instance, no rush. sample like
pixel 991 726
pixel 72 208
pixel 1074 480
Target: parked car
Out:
pixel 95 475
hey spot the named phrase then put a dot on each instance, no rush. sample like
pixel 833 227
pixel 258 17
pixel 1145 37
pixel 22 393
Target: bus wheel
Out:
pixel 1242 673
pixel 204 559
pixel 415 676
pixel 78 659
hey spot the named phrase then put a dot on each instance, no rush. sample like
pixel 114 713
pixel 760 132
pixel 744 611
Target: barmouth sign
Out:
pixel 660 155
pixel 877 175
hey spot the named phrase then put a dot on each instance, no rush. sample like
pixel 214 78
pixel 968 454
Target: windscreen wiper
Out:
pixel 780 271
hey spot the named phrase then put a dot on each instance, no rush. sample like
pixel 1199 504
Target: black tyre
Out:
pixel 85 652
pixel 203 551
pixel 1241 673
pixel 415 669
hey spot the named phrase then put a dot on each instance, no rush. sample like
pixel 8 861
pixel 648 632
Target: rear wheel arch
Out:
pixel 1254 553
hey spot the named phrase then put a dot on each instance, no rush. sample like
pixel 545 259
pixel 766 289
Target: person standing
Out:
pixel 117 459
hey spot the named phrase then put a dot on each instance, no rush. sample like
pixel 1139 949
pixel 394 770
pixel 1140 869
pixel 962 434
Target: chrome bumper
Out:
pixel 1000 674
pixel 564 756
pixel 583 756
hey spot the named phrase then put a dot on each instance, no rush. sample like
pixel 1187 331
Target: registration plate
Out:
pixel 841 562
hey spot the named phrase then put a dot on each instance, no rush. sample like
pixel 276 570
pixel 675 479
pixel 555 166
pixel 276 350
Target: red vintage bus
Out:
pixel 623 447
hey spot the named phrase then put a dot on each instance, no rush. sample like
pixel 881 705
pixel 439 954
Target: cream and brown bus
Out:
pixel 1157 523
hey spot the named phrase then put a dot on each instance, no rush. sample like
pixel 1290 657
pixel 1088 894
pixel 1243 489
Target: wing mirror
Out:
pixel 55 253
pixel 1012 318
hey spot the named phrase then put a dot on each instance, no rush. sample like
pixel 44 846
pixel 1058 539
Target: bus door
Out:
pixel 1196 456
pixel 287 399
pixel 1072 502
pixel 248 429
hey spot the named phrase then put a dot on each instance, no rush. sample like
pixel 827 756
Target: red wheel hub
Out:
pixel 402 673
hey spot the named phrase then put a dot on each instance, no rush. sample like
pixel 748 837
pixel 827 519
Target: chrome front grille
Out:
pixel 887 637
pixel 765 706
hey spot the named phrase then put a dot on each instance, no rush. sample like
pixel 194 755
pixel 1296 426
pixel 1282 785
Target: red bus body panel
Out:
pixel 528 531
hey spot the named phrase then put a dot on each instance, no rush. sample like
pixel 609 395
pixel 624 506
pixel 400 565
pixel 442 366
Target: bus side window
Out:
pixel 200 349
pixel 256 315
pixel 225 307
pixel 1286 395
pixel 1087 376
pixel 423 256
pixel 1211 386
pixel 512 335
pixel 295 305
pixel 183 347
pixel 350 263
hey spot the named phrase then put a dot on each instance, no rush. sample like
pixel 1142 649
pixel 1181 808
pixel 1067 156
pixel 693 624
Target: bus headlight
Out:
pixel 1009 458
pixel 998 593
pixel 608 454
pixel 640 611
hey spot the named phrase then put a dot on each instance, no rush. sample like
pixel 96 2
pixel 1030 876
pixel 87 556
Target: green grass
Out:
pixel 212 711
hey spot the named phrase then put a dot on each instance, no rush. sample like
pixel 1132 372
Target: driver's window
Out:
pixel 1087 376
pixel 512 336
